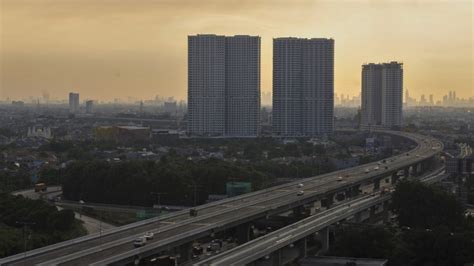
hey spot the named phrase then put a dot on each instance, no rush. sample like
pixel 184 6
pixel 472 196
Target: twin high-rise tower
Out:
pixel 382 94
pixel 224 86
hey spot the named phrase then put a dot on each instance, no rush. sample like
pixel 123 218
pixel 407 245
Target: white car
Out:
pixel 139 242
pixel 300 193
pixel 149 235
pixel 300 185
pixel 376 168
pixel 339 178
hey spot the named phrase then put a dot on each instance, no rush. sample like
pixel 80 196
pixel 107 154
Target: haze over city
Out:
pixel 136 48
pixel 225 132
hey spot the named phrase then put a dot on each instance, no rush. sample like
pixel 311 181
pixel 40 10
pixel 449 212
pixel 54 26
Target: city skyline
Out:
pixel 102 50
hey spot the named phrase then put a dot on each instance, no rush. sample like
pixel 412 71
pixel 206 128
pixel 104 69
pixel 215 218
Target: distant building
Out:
pixel 127 134
pixel 40 132
pixel 89 107
pixel 18 103
pixel 73 102
pixel 382 95
pixel 223 85
pixel 170 107
pixel 303 87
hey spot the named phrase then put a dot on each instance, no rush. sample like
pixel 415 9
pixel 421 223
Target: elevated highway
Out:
pixel 283 245
pixel 266 246
pixel 176 231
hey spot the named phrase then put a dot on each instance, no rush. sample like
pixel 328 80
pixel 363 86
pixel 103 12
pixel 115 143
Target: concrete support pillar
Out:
pixel 356 191
pixel 372 211
pixel 243 233
pixel 328 201
pixel 324 235
pixel 185 251
pixel 394 178
pixel 358 217
pixel 302 247
pixel 386 212
pixel 406 172
pixel 353 192
pixel 276 258
pixel 376 184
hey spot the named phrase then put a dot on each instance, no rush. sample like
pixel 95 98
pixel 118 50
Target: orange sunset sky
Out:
pixel 106 49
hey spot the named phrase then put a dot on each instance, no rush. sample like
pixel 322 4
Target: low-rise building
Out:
pixel 125 134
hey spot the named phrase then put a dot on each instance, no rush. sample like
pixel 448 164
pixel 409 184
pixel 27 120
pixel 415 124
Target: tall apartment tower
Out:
pixel 303 87
pixel 73 102
pixel 223 85
pixel 372 95
pixel 89 107
pixel 382 95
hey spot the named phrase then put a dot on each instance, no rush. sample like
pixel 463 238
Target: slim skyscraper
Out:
pixel 89 107
pixel 382 94
pixel 303 87
pixel 73 102
pixel 223 85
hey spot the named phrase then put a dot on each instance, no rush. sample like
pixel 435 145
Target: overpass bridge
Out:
pixel 288 243
pixel 175 232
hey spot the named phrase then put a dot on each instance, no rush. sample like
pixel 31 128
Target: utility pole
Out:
pixel 158 197
pixel 195 190
pixel 24 225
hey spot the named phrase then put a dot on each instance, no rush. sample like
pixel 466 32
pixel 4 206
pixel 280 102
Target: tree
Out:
pixel 363 242
pixel 422 206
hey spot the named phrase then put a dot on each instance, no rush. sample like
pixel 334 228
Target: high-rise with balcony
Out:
pixel 303 87
pixel 382 94
pixel 223 85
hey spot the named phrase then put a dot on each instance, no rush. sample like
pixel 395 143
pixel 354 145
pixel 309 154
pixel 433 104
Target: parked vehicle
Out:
pixel 300 193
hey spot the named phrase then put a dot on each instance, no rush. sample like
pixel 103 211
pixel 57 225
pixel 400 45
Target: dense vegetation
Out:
pixel 46 225
pixel 431 229
pixel 132 182
pixel 11 181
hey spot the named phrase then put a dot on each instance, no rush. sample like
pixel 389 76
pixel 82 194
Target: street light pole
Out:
pixel 24 227
pixel 158 196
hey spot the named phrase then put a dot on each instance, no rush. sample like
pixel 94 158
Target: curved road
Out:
pixel 177 227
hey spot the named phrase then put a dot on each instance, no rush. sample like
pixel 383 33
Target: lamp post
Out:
pixel 158 196
pixel 82 206
pixel 24 226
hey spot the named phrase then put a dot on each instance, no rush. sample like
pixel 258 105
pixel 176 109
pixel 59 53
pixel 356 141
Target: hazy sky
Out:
pixel 106 49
